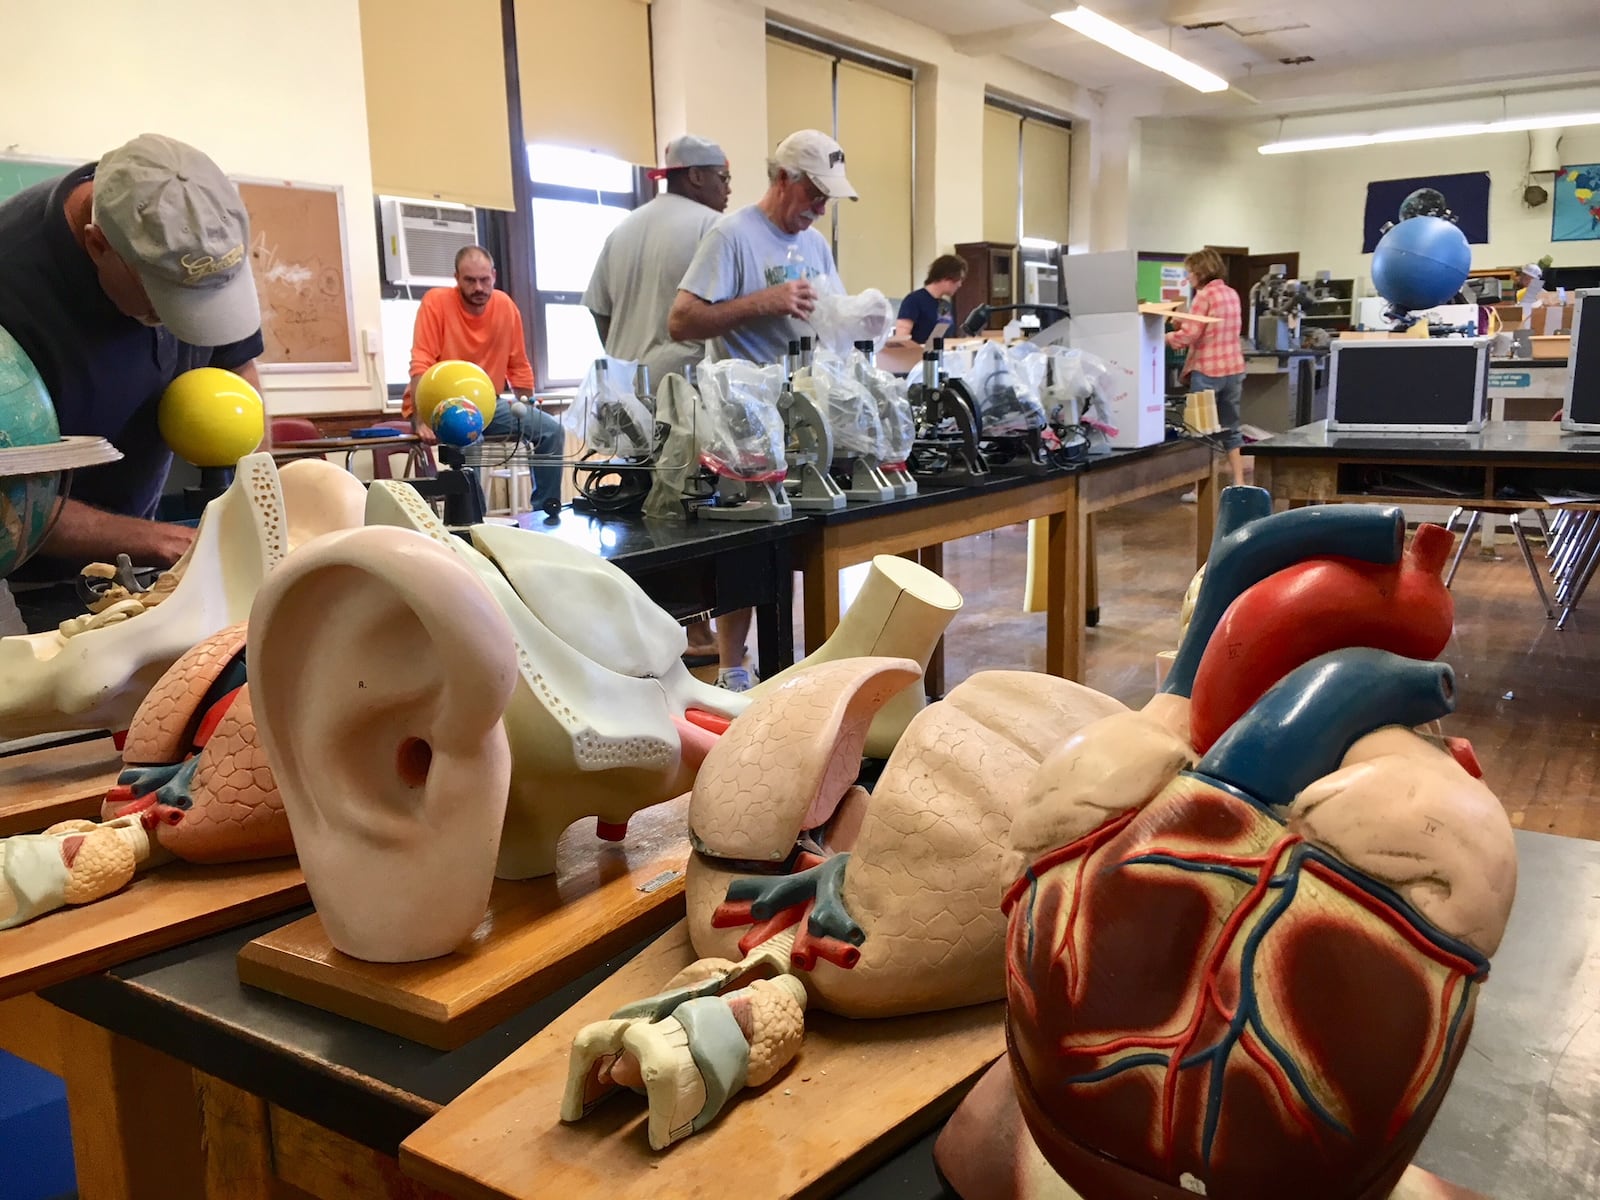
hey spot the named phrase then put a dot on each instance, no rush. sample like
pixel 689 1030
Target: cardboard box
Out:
pixel 1135 348
pixel 1552 320
pixel 1552 347
pixel 1365 335
pixel 1511 316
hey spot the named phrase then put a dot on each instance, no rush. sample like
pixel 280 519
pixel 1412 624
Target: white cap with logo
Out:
pixel 820 159
pixel 172 215
pixel 1533 271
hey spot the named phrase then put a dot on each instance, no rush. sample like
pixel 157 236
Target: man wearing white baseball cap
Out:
pixel 636 276
pixel 752 286
pixel 117 278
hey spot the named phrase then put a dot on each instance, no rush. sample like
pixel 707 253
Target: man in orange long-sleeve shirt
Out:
pixel 474 322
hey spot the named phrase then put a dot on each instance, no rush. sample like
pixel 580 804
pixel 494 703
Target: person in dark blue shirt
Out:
pixel 115 279
pixel 924 309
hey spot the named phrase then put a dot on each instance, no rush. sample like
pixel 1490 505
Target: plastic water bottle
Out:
pixel 794 263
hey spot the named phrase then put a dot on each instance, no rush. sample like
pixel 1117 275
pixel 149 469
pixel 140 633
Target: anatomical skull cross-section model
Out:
pixel 1240 931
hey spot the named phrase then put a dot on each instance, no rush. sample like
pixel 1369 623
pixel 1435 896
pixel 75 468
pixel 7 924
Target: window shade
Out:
pixel 799 91
pixel 1000 182
pixel 428 143
pixel 585 72
pixel 1046 157
pixel 875 131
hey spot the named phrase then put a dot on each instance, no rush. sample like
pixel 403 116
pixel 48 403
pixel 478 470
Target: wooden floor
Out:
pixel 1530 699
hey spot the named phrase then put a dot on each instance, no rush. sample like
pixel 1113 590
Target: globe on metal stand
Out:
pixel 212 418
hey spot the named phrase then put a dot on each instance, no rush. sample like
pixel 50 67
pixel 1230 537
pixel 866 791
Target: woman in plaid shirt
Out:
pixel 1214 360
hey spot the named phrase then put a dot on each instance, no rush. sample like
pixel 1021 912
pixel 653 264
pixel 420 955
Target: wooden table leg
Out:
pixel 1091 587
pixel 236 1152
pixel 1206 494
pixel 1067 535
pixel 821 569
pixel 135 1124
pixel 932 557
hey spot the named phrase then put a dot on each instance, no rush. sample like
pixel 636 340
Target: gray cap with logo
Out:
pixel 172 215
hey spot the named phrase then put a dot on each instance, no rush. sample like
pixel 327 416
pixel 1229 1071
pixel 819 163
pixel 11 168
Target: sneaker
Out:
pixel 1188 497
pixel 736 679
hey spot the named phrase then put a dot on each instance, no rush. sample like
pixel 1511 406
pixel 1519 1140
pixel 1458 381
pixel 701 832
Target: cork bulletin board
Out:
pixel 300 259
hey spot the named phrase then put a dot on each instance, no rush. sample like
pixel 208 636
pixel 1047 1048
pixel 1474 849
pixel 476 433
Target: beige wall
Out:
pixel 290 105
pixel 710 80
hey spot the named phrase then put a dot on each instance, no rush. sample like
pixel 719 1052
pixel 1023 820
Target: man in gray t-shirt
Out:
pixel 636 276
pixel 752 287
pixel 755 279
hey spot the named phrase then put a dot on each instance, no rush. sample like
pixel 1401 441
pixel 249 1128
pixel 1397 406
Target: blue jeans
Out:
pixel 540 430
pixel 1228 390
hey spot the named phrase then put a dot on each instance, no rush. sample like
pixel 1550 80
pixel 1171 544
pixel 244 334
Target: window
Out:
pixel 579 197
pixel 1026 173
pixel 866 105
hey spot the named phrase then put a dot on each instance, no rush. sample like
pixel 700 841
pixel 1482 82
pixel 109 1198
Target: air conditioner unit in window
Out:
pixel 421 238
pixel 1041 283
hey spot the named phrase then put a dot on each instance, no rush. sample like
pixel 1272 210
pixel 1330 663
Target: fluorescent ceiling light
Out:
pixel 1141 49
pixel 1429 133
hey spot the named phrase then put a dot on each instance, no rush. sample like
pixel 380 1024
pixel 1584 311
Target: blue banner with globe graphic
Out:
pixel 1575 213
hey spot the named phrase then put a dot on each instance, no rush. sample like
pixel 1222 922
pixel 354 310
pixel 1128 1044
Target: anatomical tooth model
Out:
pixel 896 902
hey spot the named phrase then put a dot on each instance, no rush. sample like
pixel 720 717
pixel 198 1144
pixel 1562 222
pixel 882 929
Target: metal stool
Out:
pixel 1473 517
pixel 1574 552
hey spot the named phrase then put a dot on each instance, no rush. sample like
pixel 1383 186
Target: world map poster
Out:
pixel 1575 215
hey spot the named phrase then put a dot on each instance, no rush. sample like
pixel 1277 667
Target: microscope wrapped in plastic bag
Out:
pixel 1075 386
pixel 738 427
pixel 607 415
pixel 898 424
pixel 1006 406
pixel 849 407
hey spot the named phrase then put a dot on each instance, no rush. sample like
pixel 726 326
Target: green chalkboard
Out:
pixel 18 173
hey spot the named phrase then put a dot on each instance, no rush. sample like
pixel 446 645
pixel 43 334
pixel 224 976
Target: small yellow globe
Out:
pixel 453 379
pixel 211 417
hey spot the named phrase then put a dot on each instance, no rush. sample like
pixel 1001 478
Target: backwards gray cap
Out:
pixel 172 215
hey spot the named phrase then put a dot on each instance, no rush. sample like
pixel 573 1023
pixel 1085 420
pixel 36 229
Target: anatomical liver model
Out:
pixel 93 672
pixel 896 901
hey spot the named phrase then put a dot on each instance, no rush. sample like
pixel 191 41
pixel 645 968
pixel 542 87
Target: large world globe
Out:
pixel 27 418
pixel 1420 263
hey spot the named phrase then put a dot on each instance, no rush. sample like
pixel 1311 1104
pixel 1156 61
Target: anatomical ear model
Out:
pixel 604 719
pixel 93 671
pixel 893 899
pixel 381 669
pixel 901 611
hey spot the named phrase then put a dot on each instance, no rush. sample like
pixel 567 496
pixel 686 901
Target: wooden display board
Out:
pixel 300 262
pixel 986 1153
pixel 41 786
pixel 538 935
pixel 857 1093
pixel 170 905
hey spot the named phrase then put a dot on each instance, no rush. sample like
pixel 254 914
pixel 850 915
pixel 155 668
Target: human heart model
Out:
pixel 1242 960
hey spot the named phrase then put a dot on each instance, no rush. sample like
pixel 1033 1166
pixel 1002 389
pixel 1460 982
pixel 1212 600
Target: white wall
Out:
pixel 1200 182
pixel 1335 195
pixel 267 90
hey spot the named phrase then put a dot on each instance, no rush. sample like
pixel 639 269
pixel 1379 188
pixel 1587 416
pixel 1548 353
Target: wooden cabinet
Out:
pixel 991 278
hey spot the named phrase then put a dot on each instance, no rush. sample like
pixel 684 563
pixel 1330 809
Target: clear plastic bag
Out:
pixel 737 424
pixel 847 404
pixel 841 321
pixel 607 415
pixel 895 417
pixel 1006 406
pixel 675 408
pixel 1076 385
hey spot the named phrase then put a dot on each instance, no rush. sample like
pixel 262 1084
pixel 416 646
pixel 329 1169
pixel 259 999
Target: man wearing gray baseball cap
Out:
pixel 636 276
pixel 751 288
pixel 115 279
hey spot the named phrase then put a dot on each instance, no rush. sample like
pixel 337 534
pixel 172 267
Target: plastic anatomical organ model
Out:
pixel 893 899
pixel 94 671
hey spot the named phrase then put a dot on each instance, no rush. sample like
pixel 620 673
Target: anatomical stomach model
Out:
pixel 892 902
